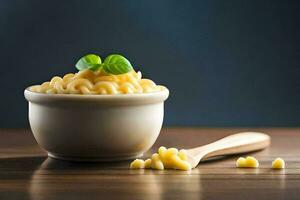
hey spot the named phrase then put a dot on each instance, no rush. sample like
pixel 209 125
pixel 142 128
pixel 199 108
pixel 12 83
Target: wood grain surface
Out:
pixel 27 173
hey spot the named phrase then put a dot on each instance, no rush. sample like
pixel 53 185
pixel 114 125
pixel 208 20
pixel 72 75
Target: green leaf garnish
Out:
pixel 91 61
pixel 116 64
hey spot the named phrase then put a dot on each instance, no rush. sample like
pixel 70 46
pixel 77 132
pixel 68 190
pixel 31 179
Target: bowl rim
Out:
pixel 136 98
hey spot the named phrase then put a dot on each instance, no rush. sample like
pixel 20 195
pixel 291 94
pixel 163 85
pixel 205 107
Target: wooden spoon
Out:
pixel 233 144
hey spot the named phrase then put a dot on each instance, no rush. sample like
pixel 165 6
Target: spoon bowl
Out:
pixel 233 144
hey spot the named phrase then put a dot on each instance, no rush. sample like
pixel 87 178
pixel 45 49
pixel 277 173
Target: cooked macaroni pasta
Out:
pixel 164 159
pixel 98 82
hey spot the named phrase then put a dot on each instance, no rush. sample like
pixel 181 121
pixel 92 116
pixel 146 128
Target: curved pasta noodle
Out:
pixel 97 82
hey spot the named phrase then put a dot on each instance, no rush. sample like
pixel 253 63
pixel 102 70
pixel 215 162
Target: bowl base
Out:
pixel 94 159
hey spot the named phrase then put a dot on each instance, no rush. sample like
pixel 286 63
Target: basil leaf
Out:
pixel 116 64
pixel 91 61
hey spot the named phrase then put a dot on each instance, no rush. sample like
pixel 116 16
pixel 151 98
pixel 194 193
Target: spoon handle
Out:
pixel 233 144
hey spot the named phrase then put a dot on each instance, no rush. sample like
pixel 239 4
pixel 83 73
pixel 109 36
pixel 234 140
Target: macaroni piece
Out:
pixel 167 159
pixel 137 164
pixel 241 162
pixel 278 163
pixel 98 82
pixel 249 162
pixel 148 163
pixel 156 163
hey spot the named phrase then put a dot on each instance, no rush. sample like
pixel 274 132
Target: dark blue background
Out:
pixel 226 63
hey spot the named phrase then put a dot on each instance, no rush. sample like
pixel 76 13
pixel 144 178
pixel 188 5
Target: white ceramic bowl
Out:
pixel 96 127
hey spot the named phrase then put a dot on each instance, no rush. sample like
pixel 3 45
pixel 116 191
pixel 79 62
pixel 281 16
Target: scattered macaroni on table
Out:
pixel 165 159
pixel 278 163
pixel 249 162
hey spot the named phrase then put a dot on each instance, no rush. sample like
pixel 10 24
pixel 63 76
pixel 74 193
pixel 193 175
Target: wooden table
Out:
pixel 26 172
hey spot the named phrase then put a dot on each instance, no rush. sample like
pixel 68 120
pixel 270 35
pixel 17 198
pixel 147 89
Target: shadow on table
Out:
pixel 59 179
pixel 38 177
pixel 56 179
